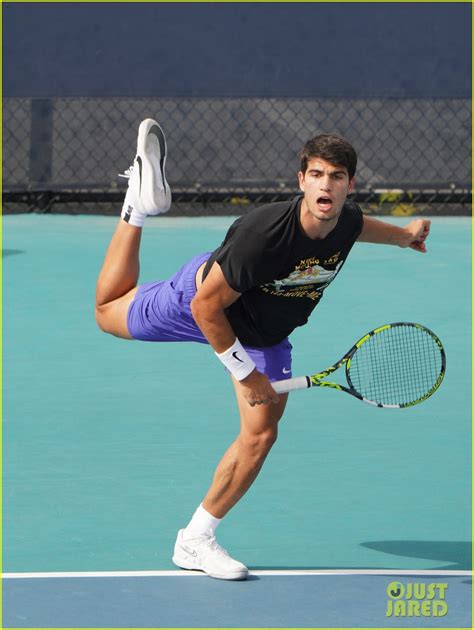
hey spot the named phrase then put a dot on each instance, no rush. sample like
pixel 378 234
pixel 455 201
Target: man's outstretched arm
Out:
pixel 412 235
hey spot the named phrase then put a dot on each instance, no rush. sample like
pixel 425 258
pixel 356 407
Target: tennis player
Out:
pixel 243 299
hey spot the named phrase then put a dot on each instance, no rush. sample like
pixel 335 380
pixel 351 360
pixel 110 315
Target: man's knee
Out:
pixel 105 318
pixel 101 318
pixel 259 444
pixel 112 317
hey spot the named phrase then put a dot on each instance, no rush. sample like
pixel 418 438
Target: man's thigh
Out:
pixel 260 418
pixel 274 361
pixel 112 317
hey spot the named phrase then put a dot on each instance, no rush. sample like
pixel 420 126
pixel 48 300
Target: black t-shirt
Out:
pixel 280 272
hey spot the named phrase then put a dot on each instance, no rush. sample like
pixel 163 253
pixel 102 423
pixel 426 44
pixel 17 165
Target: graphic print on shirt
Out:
pixel 308 280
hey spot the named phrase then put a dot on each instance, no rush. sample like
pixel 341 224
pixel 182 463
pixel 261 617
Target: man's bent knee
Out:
pixel 112 319
pixel 101 318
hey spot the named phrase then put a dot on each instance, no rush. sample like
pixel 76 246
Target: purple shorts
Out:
pixel 160 311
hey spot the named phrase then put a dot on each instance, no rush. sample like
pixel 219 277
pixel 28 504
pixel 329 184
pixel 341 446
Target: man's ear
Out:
pixel 301 180
pixel 352 183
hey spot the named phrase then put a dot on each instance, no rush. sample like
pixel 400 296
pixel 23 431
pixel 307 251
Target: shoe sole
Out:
pixel 151 143
pixel 241 575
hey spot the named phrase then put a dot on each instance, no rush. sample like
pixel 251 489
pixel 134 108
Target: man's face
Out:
pixel 325 188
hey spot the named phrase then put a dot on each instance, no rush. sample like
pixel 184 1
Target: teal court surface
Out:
pixel 109 446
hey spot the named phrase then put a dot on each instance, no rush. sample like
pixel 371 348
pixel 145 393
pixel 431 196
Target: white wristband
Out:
pixel 237 361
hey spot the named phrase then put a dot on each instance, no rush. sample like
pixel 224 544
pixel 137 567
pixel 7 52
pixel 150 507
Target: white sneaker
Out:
pixel 205 554
pixel 148 191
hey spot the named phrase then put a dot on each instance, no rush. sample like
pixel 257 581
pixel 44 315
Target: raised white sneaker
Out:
pixel 148 191
pixel 205 554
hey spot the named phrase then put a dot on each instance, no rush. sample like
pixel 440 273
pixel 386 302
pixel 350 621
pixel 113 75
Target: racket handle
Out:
pixel 291 384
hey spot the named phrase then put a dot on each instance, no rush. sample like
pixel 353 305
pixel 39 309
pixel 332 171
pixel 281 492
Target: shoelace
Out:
pixel 214 545
pixel 128 173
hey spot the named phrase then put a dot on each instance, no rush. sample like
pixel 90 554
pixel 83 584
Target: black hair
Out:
pixel 331 148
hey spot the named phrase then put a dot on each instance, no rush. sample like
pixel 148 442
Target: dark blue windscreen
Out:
pixel 412 50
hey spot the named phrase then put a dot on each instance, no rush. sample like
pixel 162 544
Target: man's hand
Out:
pixel 416 233
pixel 257 389
pixel 412 235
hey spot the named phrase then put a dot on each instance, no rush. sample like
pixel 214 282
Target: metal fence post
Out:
pixel 41 148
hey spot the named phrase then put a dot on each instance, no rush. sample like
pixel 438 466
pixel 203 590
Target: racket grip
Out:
pixel 291 384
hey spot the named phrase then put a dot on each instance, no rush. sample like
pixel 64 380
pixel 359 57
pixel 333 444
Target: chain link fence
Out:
pixel 225 155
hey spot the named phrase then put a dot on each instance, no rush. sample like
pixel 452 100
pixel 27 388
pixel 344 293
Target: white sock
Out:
pixel 201 524
pixel 130 213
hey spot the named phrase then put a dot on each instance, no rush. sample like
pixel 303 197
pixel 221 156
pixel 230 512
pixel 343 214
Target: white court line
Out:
pixel 99 574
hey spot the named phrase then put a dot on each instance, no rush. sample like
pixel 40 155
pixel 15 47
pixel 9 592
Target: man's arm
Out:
pixel 412 235
pixel 207 307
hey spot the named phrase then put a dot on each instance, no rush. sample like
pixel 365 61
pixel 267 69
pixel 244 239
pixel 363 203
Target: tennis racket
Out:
pixel 395 366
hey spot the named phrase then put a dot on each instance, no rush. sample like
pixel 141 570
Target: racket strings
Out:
pixel 396 366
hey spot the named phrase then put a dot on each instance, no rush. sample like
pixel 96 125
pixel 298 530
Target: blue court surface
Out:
pixel 361 517
pixel 264 600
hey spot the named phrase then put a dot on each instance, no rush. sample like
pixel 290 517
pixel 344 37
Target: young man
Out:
pixel 244 299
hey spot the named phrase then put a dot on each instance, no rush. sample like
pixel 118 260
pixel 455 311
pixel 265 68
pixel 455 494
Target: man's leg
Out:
pixel 148 194
pixel 118 279
pixel 196 547
pixel 242 462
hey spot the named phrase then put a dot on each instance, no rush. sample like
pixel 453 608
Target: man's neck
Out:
pixel 314 228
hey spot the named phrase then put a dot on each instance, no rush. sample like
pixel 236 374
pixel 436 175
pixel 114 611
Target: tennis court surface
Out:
pixel 109 445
